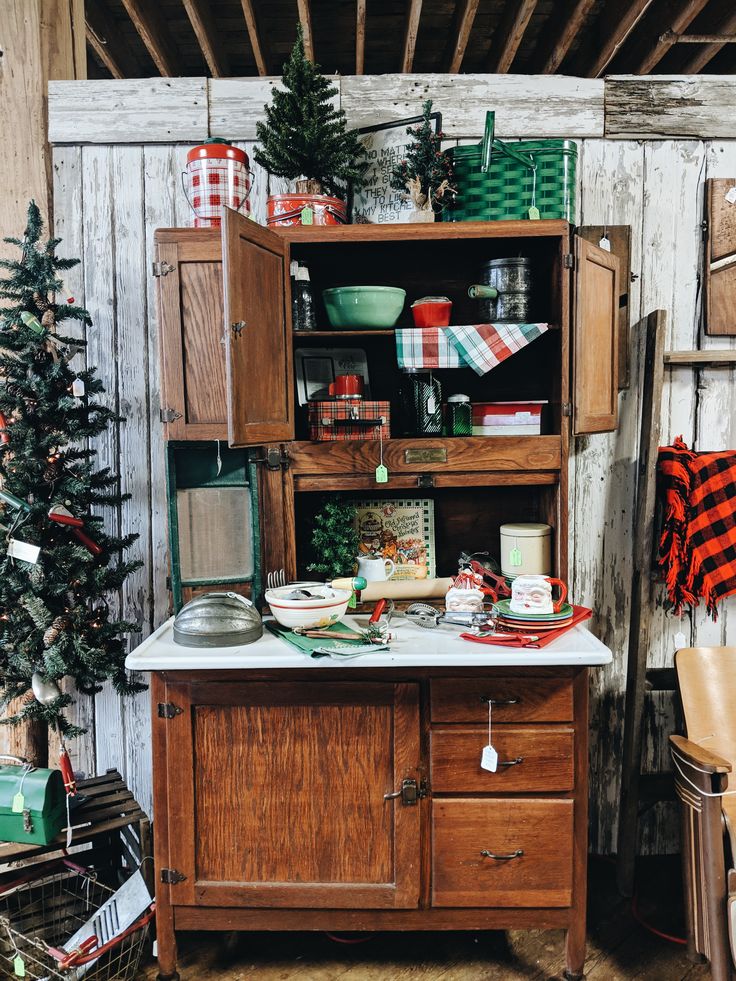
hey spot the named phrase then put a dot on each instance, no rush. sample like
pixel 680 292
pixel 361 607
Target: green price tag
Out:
pixel 534 213
pixel 381 474
pixel 353 601
pixel 515 556
pixel 19 967
pixel 307 215
pixel 19 803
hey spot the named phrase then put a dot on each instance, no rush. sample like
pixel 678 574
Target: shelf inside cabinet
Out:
pixel 338 332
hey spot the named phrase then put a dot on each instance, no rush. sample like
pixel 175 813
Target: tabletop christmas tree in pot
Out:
pixel 59 566
pixel 305 139
pixel 425 174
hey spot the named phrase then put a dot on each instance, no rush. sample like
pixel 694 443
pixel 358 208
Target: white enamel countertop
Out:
pixel 414 647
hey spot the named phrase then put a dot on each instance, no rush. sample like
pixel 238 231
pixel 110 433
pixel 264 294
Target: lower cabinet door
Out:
pixel 499 853
pixel 277 794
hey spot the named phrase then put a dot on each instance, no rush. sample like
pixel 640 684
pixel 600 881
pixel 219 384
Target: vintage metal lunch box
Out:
pixel 342 419
pixel 32 803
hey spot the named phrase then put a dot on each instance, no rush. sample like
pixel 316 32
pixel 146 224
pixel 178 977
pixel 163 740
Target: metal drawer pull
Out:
pixel 519 759
pixel 499 701
pixel 393 796
pixel 502 858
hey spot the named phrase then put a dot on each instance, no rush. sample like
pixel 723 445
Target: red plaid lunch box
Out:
pixel 340 419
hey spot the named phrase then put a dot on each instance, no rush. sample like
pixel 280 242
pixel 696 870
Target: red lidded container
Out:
pixel 432 311
pixel 217 174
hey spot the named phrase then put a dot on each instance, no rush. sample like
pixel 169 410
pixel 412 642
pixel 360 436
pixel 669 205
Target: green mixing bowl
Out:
pixel 363 306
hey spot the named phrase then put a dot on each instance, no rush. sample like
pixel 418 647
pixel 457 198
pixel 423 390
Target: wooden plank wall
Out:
pixel 109 197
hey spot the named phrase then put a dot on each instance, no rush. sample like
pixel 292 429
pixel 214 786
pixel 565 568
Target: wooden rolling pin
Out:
pixel 405 589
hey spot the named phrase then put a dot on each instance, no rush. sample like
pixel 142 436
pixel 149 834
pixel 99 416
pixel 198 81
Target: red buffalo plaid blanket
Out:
pixel 697 549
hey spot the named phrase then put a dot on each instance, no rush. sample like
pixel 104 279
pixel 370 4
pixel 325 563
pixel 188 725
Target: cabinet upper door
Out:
pixel 276 794
pixel 259 357
pixel 595 339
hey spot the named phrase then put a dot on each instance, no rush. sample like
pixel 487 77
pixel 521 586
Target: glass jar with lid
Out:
pixel 459 416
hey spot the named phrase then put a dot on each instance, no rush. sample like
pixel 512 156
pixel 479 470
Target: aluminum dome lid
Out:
pixel 218 620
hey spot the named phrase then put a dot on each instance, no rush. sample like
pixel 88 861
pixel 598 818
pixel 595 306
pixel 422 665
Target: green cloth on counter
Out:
pixel 323 646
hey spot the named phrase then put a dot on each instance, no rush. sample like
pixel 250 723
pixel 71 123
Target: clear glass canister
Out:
pixel 459 416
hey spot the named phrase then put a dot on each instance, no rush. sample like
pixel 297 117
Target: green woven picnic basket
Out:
pixel 497 180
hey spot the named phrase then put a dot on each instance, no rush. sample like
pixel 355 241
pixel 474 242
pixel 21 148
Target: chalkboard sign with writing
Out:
pixel 377 202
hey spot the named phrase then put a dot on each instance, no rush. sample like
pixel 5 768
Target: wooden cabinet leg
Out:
pixel 166 943
pixel 575 950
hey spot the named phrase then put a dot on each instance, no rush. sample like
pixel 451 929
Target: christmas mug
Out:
pixel 346 387
pixel 375 568
pixel 533 594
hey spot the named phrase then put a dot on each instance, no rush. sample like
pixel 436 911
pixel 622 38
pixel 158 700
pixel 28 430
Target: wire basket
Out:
pixel 41 910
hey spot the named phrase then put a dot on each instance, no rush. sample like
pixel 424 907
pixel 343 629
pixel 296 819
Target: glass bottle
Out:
pixel 306 317
pixel 459 416
pixel 293 269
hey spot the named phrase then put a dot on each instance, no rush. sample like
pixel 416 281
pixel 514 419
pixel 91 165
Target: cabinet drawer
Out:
pixel 515 699
pixel 541 831
pixel 536 758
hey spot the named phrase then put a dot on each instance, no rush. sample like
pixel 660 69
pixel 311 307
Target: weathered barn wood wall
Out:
pixel 117 178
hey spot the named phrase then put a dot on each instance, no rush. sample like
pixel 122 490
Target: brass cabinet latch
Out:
pixel 410 792
pixel 275 458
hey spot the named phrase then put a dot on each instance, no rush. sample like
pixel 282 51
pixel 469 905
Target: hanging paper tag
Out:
pixel 431 405
pixel 489 759
pixel 78 388
pixel 731 195
pixel 534 213
pixel 353 601
pixel 605 243
pixel 23 551
pixel 515 556
pixel 680 640
pixel 307 215
pixel 19 967
pixel 19 803
pixel 381 474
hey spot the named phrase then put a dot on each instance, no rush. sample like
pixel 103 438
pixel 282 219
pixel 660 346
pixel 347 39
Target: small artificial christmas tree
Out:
pixel 304 134
pixel 334 540
pixel 54 619
pixel 426 173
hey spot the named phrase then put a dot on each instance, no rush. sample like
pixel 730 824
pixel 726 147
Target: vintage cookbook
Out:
pixel 401 530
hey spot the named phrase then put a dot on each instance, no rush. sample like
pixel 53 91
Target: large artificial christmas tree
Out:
pixel 304 135
pixel 57 564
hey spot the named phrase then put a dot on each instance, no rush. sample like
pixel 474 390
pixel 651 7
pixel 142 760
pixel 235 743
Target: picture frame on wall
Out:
pixel 376 202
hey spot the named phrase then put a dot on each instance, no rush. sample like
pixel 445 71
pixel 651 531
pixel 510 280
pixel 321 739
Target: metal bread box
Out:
pixel 218 620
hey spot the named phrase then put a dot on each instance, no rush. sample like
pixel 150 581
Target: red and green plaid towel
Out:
pixel 697 549
pixel 480 347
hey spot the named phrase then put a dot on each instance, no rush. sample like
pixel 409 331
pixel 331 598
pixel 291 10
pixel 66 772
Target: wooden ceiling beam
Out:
pixel 107 43
pixel 305 19
pixel 457 42
pixel 150 25
pixel 509 34
pixel 566 34
pixel 255 41
pixel 200 17
pixel 706 54
pixel 661 44
pixel 616 27
pixel 360 13
pixel 410 35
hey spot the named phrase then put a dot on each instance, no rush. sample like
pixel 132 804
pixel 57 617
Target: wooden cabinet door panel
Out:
pixel 595 340
pixel 515 698
pixel 259 357
pixel 463 830
pixel 530 759
pixel 286 786
pixel 190 298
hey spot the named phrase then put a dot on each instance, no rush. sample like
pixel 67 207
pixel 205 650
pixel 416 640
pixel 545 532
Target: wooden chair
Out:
pixel 706 678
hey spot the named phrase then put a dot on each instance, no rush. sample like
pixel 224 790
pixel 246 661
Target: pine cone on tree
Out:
pixel 41 302
pixel 57 627
pixel 49 319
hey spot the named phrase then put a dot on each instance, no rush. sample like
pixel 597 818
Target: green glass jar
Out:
pixel 459 416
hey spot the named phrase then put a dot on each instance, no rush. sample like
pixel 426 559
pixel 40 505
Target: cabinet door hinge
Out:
pixel 167 710
pixel 568 260
pixel 168 415
pixel 567 408
pixel 162 268
pixel 275 458
pixel 172 876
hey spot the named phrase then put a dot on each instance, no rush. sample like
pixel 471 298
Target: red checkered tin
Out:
pixel 217 174
pixel 342 419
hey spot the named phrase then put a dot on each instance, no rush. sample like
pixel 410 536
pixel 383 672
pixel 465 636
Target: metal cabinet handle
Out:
pixel 393 796
pixel 502 858
pixel 519 759
pixel 499 701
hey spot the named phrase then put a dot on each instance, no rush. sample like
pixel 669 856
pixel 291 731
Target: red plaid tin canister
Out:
pixel 342 419
pixel 217 174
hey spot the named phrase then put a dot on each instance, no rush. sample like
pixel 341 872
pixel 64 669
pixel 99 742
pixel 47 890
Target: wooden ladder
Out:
pixel 638 791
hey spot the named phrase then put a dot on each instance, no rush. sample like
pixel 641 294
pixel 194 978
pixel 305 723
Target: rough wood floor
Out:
pixel 619 949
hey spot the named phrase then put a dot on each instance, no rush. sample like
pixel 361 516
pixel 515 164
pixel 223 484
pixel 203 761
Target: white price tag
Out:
pixel 489 759
pixel 680 640
pixel 78 388
pixel 731 195
pixel 23 551
pixel 605 243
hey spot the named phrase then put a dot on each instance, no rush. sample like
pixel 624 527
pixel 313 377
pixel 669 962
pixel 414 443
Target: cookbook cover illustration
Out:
pixel 402 530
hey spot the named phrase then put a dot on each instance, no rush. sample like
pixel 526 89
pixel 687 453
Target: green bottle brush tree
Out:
pixel 58 566
pixel 426 173
pixel 334 540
